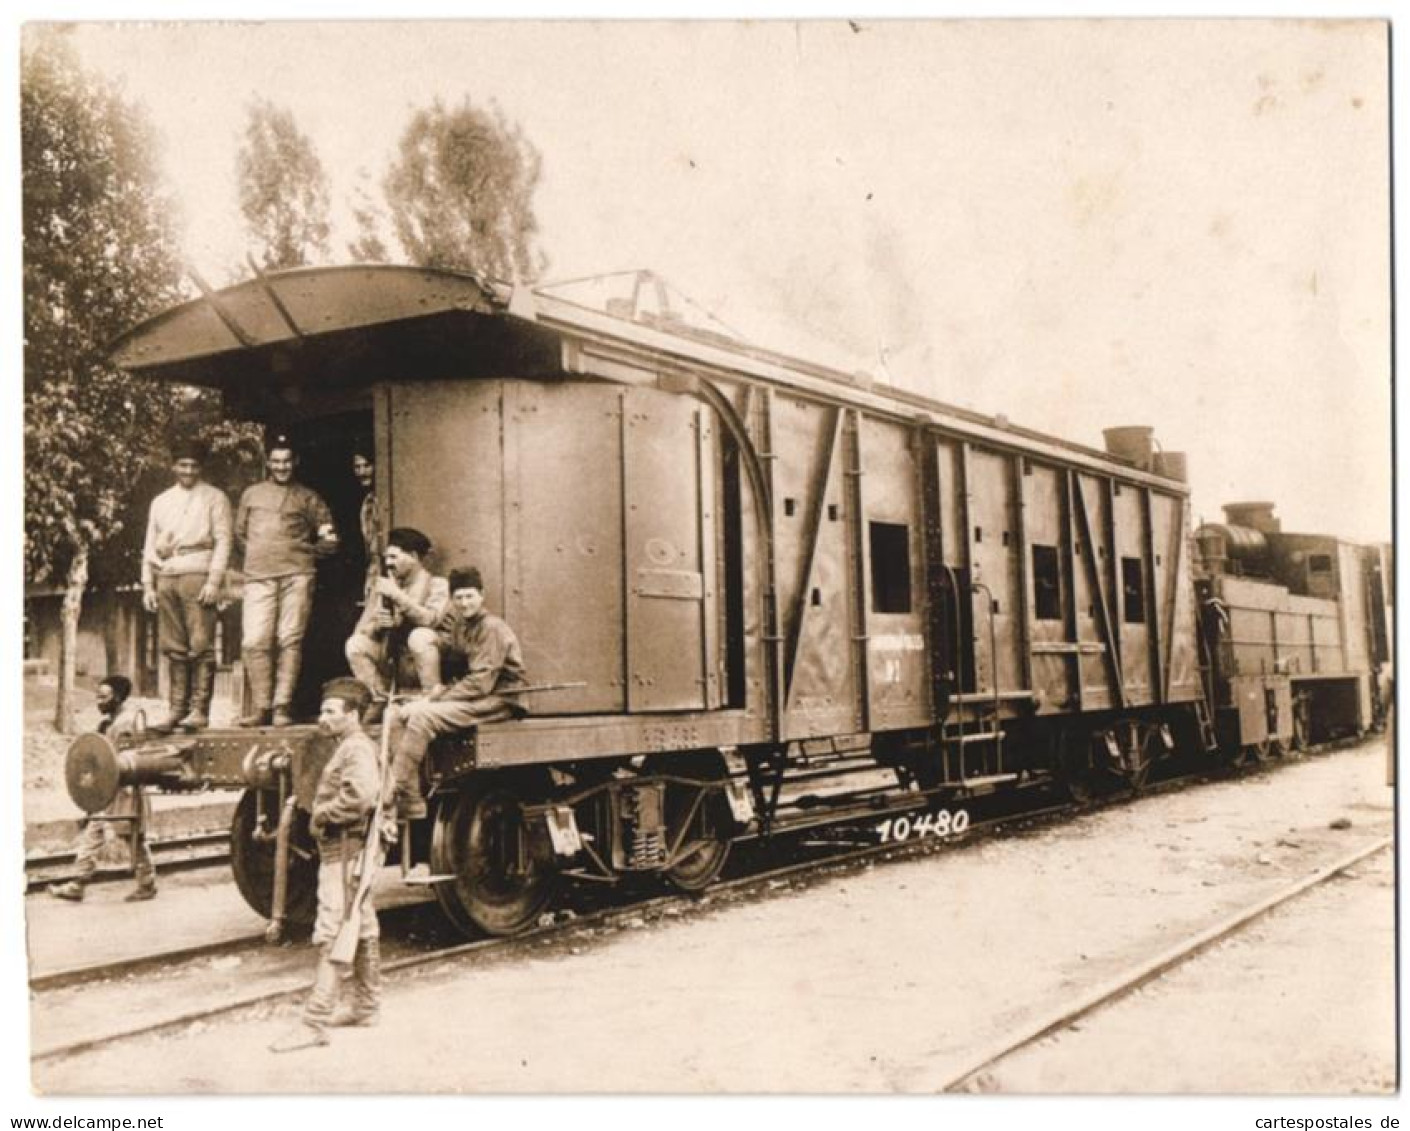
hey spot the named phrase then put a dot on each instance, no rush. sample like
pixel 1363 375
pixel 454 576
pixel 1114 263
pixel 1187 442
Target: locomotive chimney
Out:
pixel 1172 465
pixel 1134 443
pixel 1255 516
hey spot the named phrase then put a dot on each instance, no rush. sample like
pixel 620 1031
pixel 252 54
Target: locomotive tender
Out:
pixel 766 594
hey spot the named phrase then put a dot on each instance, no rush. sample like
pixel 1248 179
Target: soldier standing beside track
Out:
pixel 119 719
pixel 282 526
pixel 494 664
pixel 345 797
pixel 183 563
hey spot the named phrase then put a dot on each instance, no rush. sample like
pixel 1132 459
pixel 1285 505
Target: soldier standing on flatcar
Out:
pixel 494 666
pixel 119 718
pixel 184 556
pixel 398 621
pixel 282 526
pixel 346 796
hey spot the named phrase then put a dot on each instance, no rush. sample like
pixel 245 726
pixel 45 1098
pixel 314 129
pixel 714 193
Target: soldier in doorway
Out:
pixel 364 467
pixel 283 526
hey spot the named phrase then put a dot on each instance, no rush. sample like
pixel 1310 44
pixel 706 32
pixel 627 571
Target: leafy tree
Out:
pixel 368 217
pixel 461 193
pixel 283 190
pixel 98 257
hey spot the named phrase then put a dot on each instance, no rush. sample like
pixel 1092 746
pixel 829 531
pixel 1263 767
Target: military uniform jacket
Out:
pixel 346 795
pixel 493 659
pixel 278 526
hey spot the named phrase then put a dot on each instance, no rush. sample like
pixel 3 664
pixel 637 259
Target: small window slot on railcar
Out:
pixel 832 512
pixel 979 534
pixel 1047 593
pixel 1133 591
pixel 789 506
pixel 1319 563
pixel 890 567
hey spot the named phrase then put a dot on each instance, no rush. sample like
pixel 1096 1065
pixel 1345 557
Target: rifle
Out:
pixel 344 948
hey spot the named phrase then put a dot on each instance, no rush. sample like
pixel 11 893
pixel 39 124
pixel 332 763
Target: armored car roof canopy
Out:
pixel 350 325
pixel 335 325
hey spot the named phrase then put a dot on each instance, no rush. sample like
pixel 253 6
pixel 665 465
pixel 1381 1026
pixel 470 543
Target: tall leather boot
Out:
pixel 202 687
pixel 406 774
pixel 286 681
pixel 178 670
pixel 318 1009
pixel 366 1005
pixel 259 674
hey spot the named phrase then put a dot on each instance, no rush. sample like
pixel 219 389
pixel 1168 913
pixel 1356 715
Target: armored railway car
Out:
pixel 779 596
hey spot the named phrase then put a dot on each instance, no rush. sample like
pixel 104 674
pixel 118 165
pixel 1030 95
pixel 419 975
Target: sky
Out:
pixel 1076 224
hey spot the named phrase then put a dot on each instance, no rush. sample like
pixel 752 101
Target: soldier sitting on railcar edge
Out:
pixel 397 625
pixel 494 670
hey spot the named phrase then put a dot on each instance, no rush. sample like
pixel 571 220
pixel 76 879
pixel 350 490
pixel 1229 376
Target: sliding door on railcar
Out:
pixel 589 509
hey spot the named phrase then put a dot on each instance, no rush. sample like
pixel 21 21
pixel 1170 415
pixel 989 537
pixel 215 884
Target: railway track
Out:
pixel 811 853
pixel 967 1077
pixel 201 849
pixel 563 924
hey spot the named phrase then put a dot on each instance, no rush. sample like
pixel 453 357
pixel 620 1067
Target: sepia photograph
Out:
pixel 707 558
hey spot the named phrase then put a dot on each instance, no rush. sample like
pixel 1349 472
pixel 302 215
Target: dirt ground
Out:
pixel 1315 969
pixel 886 979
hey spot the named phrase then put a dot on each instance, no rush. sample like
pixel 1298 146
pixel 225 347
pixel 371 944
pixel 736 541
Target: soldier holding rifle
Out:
pixel 347 795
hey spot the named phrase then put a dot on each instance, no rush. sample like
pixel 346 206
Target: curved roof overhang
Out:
pixel 340 325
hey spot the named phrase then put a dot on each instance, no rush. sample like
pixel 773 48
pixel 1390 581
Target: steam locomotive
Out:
pixel 766 595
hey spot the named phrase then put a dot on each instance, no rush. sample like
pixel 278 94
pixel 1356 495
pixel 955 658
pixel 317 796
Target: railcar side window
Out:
pixel 890 567
pixel 1133 591
pixel 1047 595
pixel 1319 563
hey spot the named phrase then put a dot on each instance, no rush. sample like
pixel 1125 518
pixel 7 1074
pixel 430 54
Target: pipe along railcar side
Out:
pixel 765 595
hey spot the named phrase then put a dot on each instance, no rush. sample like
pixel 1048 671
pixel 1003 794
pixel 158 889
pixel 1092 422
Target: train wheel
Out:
pixel 252 860
pixel 504 869
pixel 705 822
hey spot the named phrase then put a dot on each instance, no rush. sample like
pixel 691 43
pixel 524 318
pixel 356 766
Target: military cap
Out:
pixel 279 442
pixel 353 692
pixel 410 539
pixel 466 577
pixel 188 447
